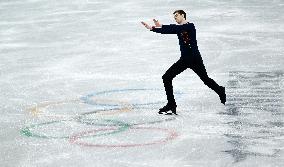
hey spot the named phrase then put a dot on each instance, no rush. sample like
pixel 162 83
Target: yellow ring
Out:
pixel 37 109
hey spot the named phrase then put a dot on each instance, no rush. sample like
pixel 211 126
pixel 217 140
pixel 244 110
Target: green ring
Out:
pixel 26 131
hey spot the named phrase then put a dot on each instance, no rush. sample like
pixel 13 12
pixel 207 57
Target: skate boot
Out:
pixel 168 108
pixel 222 95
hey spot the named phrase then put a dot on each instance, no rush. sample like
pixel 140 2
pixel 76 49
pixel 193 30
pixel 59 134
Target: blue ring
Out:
pixel 87 99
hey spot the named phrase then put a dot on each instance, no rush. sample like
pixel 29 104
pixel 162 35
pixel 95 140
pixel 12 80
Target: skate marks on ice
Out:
pixel 255 110
pixel 100 120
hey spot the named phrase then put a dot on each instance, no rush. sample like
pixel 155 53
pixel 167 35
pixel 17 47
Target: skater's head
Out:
pixel 179 16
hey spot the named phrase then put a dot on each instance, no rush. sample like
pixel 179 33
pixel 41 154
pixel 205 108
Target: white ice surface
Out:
pixel 53 53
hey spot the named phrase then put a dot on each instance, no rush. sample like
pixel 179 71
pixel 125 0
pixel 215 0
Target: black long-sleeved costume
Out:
pixel 187 38
pixel 190 58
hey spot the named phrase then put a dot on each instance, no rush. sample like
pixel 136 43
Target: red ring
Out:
pixel 74 138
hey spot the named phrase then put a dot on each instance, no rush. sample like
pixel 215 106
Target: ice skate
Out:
pixel 168 110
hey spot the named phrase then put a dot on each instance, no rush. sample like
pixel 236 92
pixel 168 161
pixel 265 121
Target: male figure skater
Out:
pixel 190 58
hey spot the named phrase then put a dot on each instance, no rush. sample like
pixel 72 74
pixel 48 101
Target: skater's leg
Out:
pixel 199 68
pixel 172 72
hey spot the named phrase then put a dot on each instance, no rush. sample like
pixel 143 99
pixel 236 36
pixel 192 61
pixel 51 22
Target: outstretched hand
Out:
pixel 146 25
pixel 156 22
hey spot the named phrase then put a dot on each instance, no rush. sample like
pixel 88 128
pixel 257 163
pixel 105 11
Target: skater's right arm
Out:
pixel 168 29
pixel 172 29
pixel 165 29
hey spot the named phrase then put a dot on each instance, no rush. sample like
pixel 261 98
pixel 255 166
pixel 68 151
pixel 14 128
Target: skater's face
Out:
pixel 179 17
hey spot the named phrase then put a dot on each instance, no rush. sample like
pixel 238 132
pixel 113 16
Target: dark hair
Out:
pixel 180 12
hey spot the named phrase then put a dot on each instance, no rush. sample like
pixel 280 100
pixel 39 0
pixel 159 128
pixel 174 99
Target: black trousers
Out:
pixel 197 66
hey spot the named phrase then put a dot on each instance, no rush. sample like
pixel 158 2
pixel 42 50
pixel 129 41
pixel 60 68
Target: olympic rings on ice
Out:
pixel 109 126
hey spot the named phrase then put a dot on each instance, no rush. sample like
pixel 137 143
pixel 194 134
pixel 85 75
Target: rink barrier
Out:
pixel 27 131
pixel 170 136
pixel 88 98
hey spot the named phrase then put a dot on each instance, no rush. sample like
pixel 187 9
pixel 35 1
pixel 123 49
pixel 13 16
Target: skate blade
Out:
pixel 167 113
